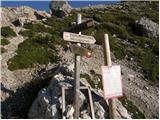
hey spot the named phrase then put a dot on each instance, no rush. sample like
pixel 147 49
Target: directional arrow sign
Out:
pixel 78 38
pixel 79 27
pixel 81 50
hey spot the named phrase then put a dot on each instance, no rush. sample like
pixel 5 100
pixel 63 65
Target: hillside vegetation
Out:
pixel 42 38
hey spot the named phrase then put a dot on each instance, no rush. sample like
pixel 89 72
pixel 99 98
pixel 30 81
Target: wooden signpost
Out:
pixel 109 72
pixel 79 51
pixel 108 63
pixel 76 101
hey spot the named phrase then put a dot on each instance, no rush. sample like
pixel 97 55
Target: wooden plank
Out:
pixel 91 103
pixel 79 27
pixel 63 102
pixel 72 37
pixel 80 50
pixel 81 87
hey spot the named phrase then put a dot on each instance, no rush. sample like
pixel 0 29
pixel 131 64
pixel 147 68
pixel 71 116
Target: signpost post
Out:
pixel 107 60
pixel 76 104
pixel 79 51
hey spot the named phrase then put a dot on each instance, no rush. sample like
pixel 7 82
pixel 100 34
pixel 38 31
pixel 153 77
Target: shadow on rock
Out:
pixel 18 103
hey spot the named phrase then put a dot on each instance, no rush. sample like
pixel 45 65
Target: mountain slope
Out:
pixel 131 47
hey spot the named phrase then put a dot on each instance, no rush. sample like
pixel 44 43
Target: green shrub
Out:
pixel 88 78
pixel 97 18
pixel 131 108
pixel 7 32
pixel 118 49
pixel 140 40
pixel 4 41
pixel 119 30
pixel 35 27
pixel 150 65
pixel 58 24
pixel 99 35
pixel 27 33
pixel 36 50
pixel 3 50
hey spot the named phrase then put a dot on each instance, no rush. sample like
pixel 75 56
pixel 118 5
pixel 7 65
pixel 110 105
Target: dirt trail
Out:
pixel 8 78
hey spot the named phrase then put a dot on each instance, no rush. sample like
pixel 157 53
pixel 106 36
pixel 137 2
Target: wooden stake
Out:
pixel 63 102
pixel 91 103
pixel 107 61
pixel 77 78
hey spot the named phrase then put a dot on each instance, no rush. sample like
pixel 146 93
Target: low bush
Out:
pixel 36 50
pixel 119 30
pixel 3 50
pixel 7 32
pixel 27 33
pixel 131 108
pixel 150 65
pixel 4 41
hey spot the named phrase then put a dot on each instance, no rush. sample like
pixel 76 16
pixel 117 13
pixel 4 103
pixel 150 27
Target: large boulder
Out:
pixel 20 15
pixel 60 8
pixel 147 27
pixel 48 103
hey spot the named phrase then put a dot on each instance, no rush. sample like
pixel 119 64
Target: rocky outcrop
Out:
pixel 147 27
pixel 60 8
pixel 20 15
pixel 48 104
pixel 41 15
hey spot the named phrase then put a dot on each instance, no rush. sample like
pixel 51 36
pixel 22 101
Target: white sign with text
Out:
pixel 112 82
pixel 72 37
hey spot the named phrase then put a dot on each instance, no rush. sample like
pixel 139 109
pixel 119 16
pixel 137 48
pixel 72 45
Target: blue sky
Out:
pixel 43 5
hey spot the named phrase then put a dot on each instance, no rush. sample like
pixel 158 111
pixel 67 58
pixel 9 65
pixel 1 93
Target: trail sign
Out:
pixel 80 50
pixel 72 37
pixel 112 83
pixel 79 27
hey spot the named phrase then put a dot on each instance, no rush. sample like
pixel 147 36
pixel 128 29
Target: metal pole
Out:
pixel 107 61
pixel 77 79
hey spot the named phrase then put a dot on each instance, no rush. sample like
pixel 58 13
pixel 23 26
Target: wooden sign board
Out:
pixel 72 37
pixel 112 83
pixel 80 50
pixel 79 27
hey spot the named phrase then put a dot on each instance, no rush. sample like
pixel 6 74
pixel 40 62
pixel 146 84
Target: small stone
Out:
pixel 69 112
pixel 131 59
pixel 85 115
pixel 131 76
pixel 114 35
pixel 145 87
